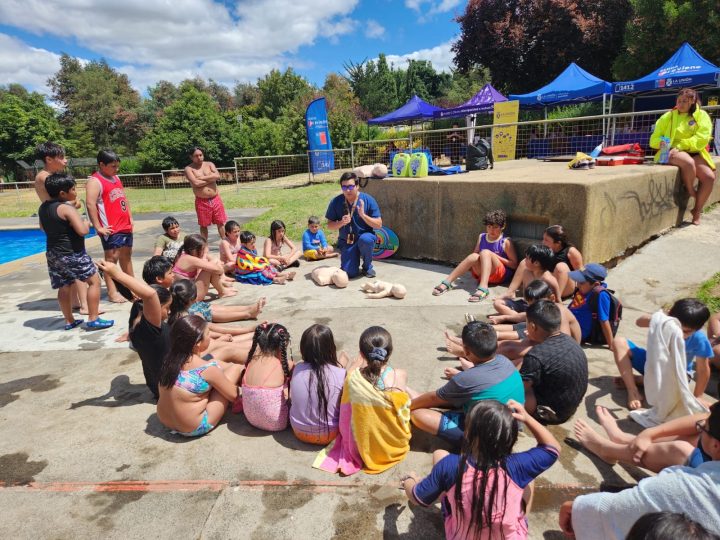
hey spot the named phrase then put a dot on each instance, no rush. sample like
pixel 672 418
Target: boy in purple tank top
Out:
pixel 492 261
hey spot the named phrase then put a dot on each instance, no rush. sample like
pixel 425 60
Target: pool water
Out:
pixel 18 243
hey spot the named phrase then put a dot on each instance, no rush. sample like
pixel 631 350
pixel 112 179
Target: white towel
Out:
pixel 666 382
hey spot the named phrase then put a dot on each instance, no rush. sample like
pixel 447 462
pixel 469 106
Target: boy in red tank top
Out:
pixel 109 212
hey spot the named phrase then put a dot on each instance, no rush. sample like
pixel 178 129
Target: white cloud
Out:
pixel 441 57
pixel 374 30
pixel 20 63
pixel 172 40
pixel 432 7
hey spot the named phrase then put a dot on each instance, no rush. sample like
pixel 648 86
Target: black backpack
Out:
pixel 479 157
pixel 596 334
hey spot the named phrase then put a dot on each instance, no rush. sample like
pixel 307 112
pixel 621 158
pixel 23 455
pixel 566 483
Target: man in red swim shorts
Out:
pixel 203 177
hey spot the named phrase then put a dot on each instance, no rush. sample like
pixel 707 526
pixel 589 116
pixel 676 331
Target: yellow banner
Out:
pixel 504 139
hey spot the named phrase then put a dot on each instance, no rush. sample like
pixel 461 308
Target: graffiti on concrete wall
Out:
pixel 661 196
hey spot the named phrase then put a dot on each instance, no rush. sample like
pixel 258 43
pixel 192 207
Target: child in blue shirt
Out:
pixel 587 279
pixel 692 315
pixel 314 244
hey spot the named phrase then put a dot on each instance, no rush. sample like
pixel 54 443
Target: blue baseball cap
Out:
pixel 591 273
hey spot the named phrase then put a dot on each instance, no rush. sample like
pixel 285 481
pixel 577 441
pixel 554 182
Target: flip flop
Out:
pixel 479 295
pixel 437 291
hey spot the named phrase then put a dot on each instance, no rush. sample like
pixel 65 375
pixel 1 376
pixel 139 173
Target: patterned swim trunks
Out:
pixel 65 269
pixel 210 211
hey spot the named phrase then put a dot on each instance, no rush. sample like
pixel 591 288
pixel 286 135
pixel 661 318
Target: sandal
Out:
pixel 99 324
pixel 437 291
pixel 479 295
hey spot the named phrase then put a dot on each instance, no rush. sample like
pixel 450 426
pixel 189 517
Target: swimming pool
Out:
pixel 18 243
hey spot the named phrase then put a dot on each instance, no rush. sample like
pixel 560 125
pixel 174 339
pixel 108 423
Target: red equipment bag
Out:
pixel 632 149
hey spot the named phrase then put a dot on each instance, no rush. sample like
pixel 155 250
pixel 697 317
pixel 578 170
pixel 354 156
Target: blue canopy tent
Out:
pixel 483 101
pixel 574 85
pixel 414 109
pixel 684 68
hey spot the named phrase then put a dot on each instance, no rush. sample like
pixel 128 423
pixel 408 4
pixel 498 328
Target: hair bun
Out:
pixel 378 354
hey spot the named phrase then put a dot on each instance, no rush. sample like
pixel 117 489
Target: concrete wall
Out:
pixel 605 210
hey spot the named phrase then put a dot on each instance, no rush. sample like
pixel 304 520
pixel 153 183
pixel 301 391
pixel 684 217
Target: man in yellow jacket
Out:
pixel 689 130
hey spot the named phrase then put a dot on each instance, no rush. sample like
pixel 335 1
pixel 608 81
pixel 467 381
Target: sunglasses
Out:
pixel 348 188
pixel 700 426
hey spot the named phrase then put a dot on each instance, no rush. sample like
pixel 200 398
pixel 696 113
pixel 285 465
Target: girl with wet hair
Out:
pixel 272 250
pixel 265 381
pixel 195 389
pixel 486 489
pixel 375 349
pixel 316 387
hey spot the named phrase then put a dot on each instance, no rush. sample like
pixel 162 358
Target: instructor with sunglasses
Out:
pixel 355 215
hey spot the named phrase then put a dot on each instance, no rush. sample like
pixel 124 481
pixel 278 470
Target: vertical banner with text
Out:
pixel 322 158
pixel 504 139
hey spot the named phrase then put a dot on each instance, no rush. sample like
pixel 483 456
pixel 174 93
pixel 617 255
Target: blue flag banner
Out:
pixel 318 134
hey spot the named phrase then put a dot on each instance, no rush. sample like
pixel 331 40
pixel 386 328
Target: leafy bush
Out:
pixel 130 165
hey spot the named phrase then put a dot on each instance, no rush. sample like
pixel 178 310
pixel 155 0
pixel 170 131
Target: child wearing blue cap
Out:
pixel 590 282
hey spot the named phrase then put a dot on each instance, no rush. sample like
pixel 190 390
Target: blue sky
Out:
pixel 226 40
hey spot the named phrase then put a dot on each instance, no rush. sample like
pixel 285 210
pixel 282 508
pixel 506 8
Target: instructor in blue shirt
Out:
pixel 355 215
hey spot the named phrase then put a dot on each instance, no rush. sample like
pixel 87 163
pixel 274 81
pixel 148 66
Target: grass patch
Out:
pixel 709 293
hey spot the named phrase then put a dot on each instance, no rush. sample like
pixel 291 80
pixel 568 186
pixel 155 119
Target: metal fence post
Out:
pixel 162 176
pixel 352 155
pixel 309 168
pixel 237 178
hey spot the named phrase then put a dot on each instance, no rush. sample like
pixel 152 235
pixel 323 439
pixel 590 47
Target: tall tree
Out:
pixel 278 89
pixel 382 92
pixel 98 96
pixel 246 94
pixel 25 121
pixel 658 27
pixel 525 43
pixel 193 119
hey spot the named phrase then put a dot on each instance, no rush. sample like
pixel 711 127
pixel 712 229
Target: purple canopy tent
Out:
pixel 483 101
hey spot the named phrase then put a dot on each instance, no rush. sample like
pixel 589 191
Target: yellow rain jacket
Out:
pixel 687 132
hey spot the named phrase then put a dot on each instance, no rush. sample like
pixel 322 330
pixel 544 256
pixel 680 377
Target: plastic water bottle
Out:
pixel 664 150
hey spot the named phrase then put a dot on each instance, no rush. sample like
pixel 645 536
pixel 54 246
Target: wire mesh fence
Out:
pixel 290 169
pixel 548 138
pixel 379 151
pixel 329 165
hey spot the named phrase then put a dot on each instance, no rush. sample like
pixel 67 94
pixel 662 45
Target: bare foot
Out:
pixel 257 308
pixel 117 299
pixel 279 280
pixel 696 216
pixel 228 292
pixel 290 276
pixel 592 441
pixel 123 338
pixel 609 424
pixel 466 364
pixel 451 372
pixel 452 346
pixel 497 319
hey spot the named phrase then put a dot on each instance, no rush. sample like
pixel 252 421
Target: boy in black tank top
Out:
pixel 65 252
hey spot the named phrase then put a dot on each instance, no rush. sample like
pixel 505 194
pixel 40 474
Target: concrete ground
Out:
pixel 83 455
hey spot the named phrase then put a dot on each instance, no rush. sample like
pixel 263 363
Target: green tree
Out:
pixel 246 94
pixel 463 86
pixel 278 89
pixel 525 43
pixel 99 97
pixel 658 27
pixel 193 119
pixel 382 92
pixel 343 110
pixel 25 121
pixel 79 141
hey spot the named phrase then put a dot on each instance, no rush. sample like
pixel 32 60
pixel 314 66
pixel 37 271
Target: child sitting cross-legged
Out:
pixel 315 246
pixel 171 241
pixel 538 265
pixel 492 376
pixel 274 245
pixel 316 387
pixel 486 490
pixel 194 263
pixel 254 269
pixel 692 315
pixel 591 303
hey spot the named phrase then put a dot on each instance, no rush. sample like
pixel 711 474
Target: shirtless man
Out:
pixel 54 160
pixel 203 176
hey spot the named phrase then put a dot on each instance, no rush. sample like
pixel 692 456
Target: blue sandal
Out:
pixel 479 295
pixel 74 324
pixel 99 324
pixel 437 291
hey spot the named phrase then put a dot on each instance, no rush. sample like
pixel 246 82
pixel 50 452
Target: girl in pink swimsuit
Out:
pixel 265 381
pixel 193 262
